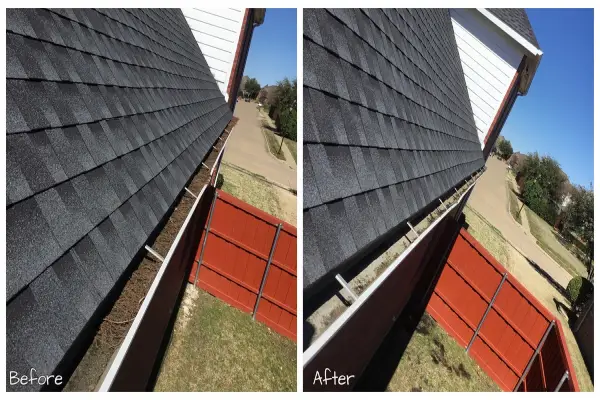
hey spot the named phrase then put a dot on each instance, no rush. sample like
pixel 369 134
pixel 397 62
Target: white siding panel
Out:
pixel 217 32
pixel 211 30
pixel 214 17
pixel 215 52
pixel 489 61
pixel 220 77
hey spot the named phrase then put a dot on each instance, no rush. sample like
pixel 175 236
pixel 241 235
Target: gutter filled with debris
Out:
pixel 113 332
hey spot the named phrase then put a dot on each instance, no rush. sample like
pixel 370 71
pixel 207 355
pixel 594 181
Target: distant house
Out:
pixel 224 37
pixel 269 93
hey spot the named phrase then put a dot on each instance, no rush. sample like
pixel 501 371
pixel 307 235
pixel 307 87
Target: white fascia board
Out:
pixel 511 32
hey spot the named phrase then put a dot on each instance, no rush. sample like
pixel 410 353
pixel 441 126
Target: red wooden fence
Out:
pixel 503 337
pixel 249 261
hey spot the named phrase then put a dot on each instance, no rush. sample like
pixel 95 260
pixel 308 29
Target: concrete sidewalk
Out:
pixel 490 199
pixel 247 148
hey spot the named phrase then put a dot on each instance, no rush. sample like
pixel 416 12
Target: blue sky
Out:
pixel 272 54
pixel 556 117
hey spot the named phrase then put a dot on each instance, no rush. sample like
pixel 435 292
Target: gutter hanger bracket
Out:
pixel 442 203
pixel 411 228
pixel 347 287
pixel 154 253
pixel 191 194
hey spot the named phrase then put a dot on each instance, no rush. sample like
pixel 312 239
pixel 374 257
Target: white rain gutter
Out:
pixel 122 352
pixel 116 364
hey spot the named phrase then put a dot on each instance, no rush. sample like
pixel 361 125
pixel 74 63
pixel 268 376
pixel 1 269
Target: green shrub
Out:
pixel 286 123
pixel 579 290
pixel 220 181
pixel 536 199
pixel 505 149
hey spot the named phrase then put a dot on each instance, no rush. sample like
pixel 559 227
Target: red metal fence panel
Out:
pixel 236 263
pixel 500 323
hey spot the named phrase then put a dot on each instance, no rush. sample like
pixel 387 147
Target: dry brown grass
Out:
pixel 434 362
pixel 546 239
pixel 487 235
pixel 216 347
pixel 255 190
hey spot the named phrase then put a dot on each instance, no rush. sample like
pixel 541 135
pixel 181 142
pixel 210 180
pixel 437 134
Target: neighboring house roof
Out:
pixel 517 19
pixel 109 113
pixel 388 127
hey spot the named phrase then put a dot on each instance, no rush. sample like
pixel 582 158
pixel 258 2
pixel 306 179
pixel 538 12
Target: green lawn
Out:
pixel 434 362
pixel 543 233
pixel 291 145
pixel 273 143
pixel 216 348
pixel 513 204
pixel 486 234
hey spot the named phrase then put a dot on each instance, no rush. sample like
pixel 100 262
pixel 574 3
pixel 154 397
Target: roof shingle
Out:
pixel 388 127
pixel 109 112
pixel 517 19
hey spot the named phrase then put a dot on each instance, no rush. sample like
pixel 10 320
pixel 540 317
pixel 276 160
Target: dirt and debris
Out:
pixel 426 324
pixel 117 322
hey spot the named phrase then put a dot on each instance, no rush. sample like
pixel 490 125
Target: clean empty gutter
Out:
pixel 322 341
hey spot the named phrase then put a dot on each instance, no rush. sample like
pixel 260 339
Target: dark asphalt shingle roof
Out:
pixel 517 19
pixel 388 127
pixel 109 112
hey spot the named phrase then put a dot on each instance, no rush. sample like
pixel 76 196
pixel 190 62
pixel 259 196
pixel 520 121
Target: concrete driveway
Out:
pixel 247 149
pixel 490 199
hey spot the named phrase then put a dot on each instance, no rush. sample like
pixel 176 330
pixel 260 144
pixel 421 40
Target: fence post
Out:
pixel 264 278
pixel 534 355
pixel 207 230
pixel 487 310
